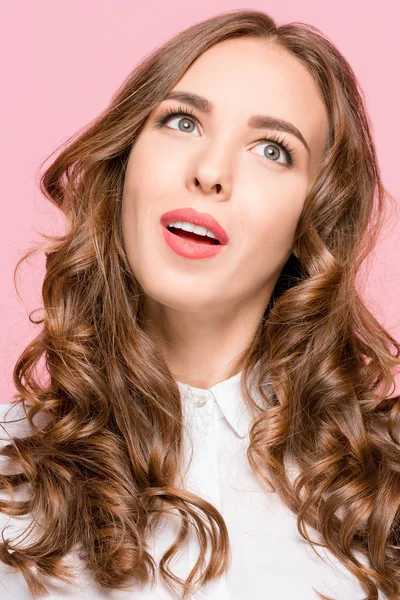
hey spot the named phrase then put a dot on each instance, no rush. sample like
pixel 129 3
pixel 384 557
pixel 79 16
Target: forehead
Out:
pixel 251 76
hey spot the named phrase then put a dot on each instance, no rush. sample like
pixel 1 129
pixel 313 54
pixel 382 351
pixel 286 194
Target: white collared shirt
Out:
pixel 269 558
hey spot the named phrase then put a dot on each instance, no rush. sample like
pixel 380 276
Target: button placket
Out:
pixel 200 401
pixel 203 479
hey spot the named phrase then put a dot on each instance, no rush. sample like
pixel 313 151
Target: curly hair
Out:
pixel 110 447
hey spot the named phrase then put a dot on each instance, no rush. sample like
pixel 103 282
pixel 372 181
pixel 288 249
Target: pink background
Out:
pixel 62 60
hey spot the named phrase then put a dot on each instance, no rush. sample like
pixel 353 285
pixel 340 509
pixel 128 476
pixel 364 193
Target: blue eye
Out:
pixel 187 114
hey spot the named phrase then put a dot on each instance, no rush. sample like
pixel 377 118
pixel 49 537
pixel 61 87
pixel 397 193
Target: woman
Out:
pixel 218 404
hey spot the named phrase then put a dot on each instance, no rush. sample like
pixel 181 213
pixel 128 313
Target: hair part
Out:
pixel 110 449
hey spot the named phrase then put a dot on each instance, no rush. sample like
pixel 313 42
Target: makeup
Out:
pixel 190 248
pixel 190 243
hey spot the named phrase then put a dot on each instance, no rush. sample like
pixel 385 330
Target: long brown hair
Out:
pixel 105 465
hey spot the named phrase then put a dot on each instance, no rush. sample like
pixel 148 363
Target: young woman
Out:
pixel 217 421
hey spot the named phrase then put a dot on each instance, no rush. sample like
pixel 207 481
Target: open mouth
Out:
pixel 189 235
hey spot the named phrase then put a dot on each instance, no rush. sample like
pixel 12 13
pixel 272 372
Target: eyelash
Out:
pixel 184 112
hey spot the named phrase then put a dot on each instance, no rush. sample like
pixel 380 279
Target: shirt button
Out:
pixel 200 401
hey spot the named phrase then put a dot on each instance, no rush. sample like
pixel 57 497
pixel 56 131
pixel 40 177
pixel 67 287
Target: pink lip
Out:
pixel 197 218
pixel 189 248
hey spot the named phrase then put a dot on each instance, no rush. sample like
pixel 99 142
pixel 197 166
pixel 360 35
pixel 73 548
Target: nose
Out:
pixel 213 179
pixel 213 167
pixel 218 186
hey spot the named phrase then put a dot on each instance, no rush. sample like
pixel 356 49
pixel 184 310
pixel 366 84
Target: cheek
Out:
pixel 153 166
pixel 265 244
pixel 152 174
pixel 271 214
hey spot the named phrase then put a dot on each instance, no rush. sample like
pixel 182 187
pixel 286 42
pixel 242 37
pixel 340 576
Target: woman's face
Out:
pixel 216 163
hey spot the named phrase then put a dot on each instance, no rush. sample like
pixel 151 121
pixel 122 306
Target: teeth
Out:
pixel 186 226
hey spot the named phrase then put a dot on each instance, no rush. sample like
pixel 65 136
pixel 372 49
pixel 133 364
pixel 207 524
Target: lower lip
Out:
pixel 188 248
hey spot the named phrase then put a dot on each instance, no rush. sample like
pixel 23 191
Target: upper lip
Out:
pixel 197 218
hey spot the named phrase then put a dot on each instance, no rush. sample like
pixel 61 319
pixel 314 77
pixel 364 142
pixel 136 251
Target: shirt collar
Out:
pixel 228 395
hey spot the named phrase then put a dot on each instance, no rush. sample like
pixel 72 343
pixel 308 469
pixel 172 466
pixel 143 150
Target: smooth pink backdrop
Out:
pixel 61 62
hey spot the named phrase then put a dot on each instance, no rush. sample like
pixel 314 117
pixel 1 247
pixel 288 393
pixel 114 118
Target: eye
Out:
pixel 276 147
pixel 185 123
pixel 276 151
pixel 185 117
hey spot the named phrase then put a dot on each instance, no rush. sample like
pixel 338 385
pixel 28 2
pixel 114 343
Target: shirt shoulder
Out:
pixel 13 422
pixel 12 584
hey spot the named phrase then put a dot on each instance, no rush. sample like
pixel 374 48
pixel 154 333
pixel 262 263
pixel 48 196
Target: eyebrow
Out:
pixel 254 122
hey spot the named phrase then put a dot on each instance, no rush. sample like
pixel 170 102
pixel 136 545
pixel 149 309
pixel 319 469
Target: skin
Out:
pixel 204 313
